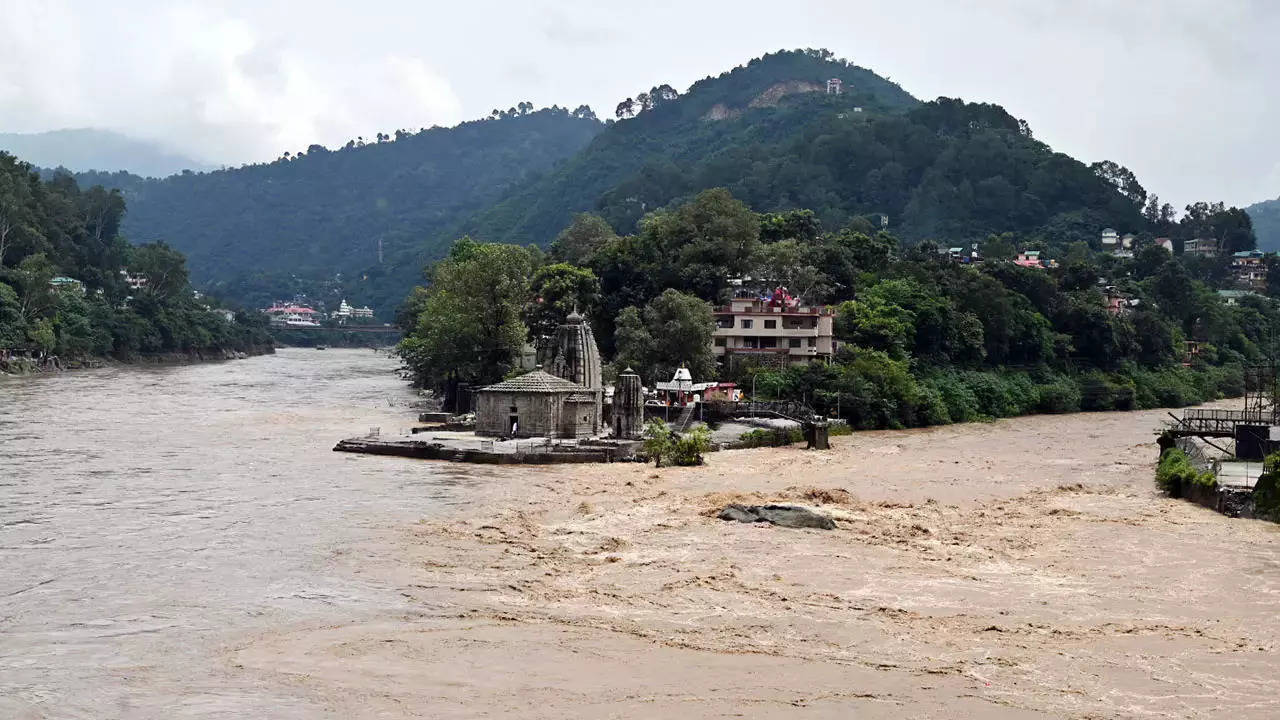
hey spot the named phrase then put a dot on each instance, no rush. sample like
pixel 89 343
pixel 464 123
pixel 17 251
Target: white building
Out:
pixel 345 312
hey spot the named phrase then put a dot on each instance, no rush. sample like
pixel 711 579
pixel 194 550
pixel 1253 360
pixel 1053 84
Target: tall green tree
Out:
pixel 555 291
pixel 671 330
pixel 470 328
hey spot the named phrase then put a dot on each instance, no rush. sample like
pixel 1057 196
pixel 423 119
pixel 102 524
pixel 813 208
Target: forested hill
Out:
pixel 296 223
pixel 1266 223
pixel 772 135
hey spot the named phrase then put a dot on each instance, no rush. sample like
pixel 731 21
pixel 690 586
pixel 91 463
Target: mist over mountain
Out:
pixel 85 149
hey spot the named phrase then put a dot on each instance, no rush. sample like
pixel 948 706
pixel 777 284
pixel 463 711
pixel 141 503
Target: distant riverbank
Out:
pixel 16 366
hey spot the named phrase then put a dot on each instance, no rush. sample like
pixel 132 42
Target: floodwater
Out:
pixel 150 515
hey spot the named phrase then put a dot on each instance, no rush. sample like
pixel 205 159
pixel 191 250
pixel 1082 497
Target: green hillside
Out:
pixel 63 292
pixel 772 135
pixel 312 222
pixel 1266 223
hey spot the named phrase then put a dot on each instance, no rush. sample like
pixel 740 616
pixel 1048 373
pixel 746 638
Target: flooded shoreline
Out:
pixel 180 542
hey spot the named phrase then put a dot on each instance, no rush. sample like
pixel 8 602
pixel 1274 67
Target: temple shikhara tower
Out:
pixel 575 357
pixel 565 400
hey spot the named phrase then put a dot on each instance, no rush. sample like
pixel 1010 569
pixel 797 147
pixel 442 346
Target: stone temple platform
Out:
pixel 469 447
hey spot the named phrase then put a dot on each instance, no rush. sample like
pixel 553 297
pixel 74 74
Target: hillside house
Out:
pixel 1201 247
pixel 776 329
pixel 1029 259
pixel 1249 269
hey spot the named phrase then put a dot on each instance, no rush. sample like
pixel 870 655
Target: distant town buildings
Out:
pixel 1232 297
pixel 63 283
pixel 1117 302
pixel 1249 269
pixel 1029 259
pixel 777 329
pixel 135 282
pixel 1110 239
pixel 345 312
pixel 1164 242
pixel 294 316
pixel 835 86
pixel 1201 247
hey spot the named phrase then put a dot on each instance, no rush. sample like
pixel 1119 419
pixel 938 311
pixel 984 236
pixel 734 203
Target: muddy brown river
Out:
pixel 146 514
pixel 182 543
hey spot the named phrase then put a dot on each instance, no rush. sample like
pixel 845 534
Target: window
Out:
pixel 810 342
pixel 719 342
pixel 770 324
pixel 746 323
pixel 768 342
pixel 724 322
pixel 794 342
pixel 514 409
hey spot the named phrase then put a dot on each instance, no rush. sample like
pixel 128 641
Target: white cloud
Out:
pixel 198 79
pixel 1179 91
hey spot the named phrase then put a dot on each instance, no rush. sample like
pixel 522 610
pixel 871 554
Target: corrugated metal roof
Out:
pixel 535 382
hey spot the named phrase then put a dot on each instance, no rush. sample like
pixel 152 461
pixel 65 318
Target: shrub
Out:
pixel 1266 491
pixel 838 428
pixel 956 396
pixel 688 448
pixel 657 441
pixel 1175 471
pixel 1062 395
pixel 761 437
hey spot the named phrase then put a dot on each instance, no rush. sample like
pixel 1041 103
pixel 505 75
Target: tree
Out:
pixel 711 238
pixel 13 327
pixel 673 329
pixel 557 290
pixel 657 440
pixel 1123 180
pixel 586 234
pixel 31 279
pixel 789 264
pixel 469 328
pixel 626 109
pixel 164 268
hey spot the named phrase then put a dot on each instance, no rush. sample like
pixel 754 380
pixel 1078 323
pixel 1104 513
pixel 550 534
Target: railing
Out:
pixel 1256 416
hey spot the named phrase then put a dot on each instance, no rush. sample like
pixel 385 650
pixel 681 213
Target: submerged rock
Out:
pixel 792 516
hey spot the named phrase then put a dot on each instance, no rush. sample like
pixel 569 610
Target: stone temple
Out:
pixel 566 402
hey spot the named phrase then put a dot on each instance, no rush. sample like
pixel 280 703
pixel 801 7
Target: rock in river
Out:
pixel 792 516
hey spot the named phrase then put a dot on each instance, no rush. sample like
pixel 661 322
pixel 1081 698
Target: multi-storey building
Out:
pixel 1249 269
pixel 776 330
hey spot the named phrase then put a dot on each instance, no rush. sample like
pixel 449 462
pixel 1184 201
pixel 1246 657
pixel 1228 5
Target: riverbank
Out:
pixel 27 366
pixel 1022 568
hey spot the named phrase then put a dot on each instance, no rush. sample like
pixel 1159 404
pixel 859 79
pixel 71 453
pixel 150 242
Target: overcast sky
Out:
pixel 1183 92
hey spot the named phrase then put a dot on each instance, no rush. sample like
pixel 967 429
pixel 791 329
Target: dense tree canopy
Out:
pixel 61 288
pixel 350 222
pixel 924 337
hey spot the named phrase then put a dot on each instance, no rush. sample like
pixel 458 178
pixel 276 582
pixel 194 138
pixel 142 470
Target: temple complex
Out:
pixel 566 402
